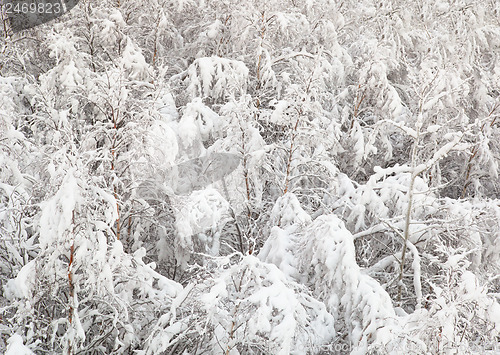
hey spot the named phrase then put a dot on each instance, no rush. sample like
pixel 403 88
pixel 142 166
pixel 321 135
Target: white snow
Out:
pixel 16 347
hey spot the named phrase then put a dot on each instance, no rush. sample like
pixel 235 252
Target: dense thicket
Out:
pixel 261 177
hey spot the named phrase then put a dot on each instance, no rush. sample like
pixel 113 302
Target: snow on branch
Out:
pixel 328 257
pixel 244 307
pixel 217 78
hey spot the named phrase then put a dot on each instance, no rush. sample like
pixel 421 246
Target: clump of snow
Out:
pixel 203 210
pixel 133 62
pixel 57 216
pixel 328 256
pixel 217 77
pixel 15 346
pixel 279 250
pixel 165 105
pixel 22 285
pixel 278 115
pixel 287 212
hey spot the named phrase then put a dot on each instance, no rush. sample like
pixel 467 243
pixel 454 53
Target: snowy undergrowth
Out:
pixel 358 211
pixel 93 283
pixel 250 307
